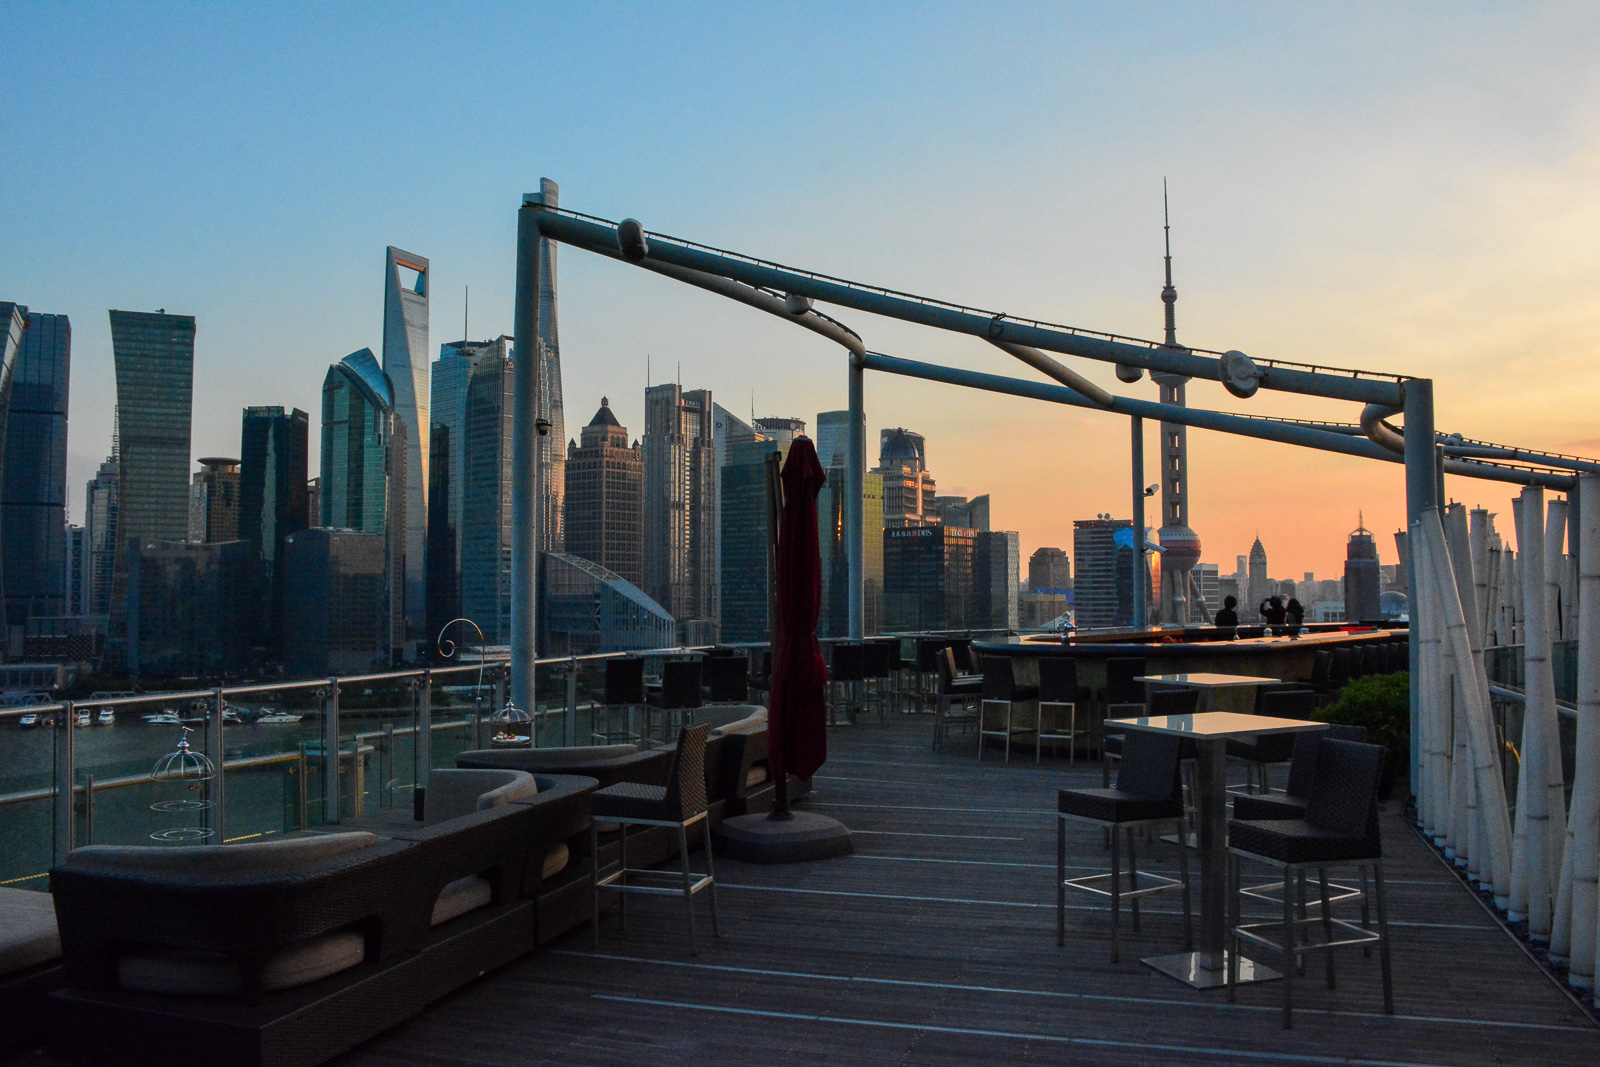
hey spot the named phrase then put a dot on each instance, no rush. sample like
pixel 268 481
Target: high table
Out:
pixel 1207 967
pixel 1207 682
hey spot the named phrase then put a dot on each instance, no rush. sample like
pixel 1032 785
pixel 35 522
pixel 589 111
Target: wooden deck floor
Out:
pixel 935 944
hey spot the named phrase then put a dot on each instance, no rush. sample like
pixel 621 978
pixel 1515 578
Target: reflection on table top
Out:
pixel 1207 680
pixel 1217 724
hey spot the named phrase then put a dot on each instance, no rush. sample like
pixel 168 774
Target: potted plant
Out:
pixel 1382 704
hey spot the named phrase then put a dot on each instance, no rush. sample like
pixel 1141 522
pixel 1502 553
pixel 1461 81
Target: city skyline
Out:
pixel 1340 195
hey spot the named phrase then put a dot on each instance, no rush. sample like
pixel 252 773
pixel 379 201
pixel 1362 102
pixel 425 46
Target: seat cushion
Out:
pixel 28 934
pixel 459 897
pixel 210 974
pixel 454 793
pixel 555 861
pixel 755 775
pixel 241 858
pixel 1297 841
pixel 630 800
pixel 738 719
pixel 1278 806
pixel 1117 805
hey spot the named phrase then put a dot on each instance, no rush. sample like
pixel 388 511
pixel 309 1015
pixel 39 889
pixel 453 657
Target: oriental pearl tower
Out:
pixel 1180 546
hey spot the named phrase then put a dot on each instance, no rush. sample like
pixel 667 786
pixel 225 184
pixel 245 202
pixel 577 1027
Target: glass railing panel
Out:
pixel 117 747
pixel 27 805
pixel 273 771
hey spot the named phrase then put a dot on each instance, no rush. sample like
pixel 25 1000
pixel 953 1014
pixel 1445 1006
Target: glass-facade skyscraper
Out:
pixel 33 487
pixel 273 501
pixel 485 531
pixel 154 357
pixel 680 508
pixel 405 361
pixel 605 485
pixel 364 468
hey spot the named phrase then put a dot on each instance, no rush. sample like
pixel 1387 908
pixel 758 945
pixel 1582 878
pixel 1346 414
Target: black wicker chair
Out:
pixel 1122 697
pixel 961 692
pixel 1259 754
pixel 680 803
pixel 1147 792
pixel 680 693
pixel 846 675
pixel 727 678
pixel 1339 829
pixel 875 676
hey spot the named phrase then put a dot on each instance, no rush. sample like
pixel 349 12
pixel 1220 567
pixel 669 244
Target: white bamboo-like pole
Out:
pixel 1467 570
pixel 1517 910
pixel 1426 634
pixel 1494 818
pixel 1581 888
pixel 1534 860
pixel 1555 565
pixel 1478 540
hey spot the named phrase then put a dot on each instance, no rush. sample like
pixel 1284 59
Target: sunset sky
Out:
pixel 1413 188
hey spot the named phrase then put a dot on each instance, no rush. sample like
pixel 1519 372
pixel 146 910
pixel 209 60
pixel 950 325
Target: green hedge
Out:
pixel 1381 703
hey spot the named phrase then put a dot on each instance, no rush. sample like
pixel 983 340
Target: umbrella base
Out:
pixel 803 837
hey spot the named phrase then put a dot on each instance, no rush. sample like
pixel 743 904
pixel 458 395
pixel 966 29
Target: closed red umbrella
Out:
pixel 797 718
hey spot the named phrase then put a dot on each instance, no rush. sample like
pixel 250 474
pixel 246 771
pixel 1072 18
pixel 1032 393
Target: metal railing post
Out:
pixel 88 809
pixel 570 730
pixel 855 543
pixel 424 739
pixel 330 754
pixel 386 767
pixel 62 843
pixel 216 791
pixel 302 801
pixel 1140 614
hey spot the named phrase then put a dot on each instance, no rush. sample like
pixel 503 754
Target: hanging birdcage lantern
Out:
pixel 515 727
pixel 187 774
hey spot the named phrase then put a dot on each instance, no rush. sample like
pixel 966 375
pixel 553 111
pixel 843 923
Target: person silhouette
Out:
pixel 1294 616
pixel 1226 617
pixel 1272 610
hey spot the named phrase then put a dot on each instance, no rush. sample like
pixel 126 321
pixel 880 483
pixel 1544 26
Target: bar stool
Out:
pixel 727 679
pixel 845 674
pixel 1339 829
pixel 929 652
pixel 680 693
pixel 680 803
pixel 964 691
pixel 624 689
pixel 1258 754
pixel 1123 697
pixel 875 668
pixel 1001 689
pixel 1147 793
pixel 1059 689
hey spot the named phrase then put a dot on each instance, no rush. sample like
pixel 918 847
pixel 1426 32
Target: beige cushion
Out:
pixel 755 775
pixel 454 793
pixel 241 858
pixel 461 896
pixel 752 720
pixel 605 826
pixel 27 930
pixel 555 861
pixel 209 974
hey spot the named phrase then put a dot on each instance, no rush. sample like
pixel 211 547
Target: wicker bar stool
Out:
pixel 680 803
pixel 1001 690
pixel 1059 690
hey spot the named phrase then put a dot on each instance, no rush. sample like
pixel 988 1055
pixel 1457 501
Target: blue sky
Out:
pixel 1411 187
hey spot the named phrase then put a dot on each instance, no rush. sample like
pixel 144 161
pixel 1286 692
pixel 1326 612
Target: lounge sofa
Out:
pixel 30 966
pixel 291 950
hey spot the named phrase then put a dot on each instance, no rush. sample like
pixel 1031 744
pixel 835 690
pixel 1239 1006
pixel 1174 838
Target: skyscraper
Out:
pixel 551 444
pixel 485 531
pixel 273 503
pixel 1362 587
pixel 1049 571
pixel 680 549
pixel 214 501
pixel 928 580
pixel 604 499
pixel 1259 587
pixel 833 438
pixel 336 588
pixel 908 488
pixel 154 356
pixel 77 584
pixel 996 576
pixel 960 511
pixel 33 487
pixel 744 535
pixel 364 469
pixel 835 617
pixel 1180 545
pixel 13 323
pixel 1102 579
pixel 405 361
pixel 100 531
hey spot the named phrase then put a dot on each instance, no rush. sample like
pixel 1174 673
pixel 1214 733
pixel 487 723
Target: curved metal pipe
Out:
pixel 1066 376
pixel 1379 431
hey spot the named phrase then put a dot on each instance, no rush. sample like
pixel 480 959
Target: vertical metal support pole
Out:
pixel 216 788
pixel 330 754
pixel 303 807
pixel 572 707
pixel 1140 615
pixel 386 768
pixel 525 454
pixel 424 740
pixel 855 533
pixel 64 821
pixel 1422 492
pixel 88 809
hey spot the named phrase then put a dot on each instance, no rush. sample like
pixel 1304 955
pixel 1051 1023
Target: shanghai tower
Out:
pixel 405 361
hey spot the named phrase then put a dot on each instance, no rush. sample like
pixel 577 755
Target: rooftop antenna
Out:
pixel 466 306
pixel 1169 295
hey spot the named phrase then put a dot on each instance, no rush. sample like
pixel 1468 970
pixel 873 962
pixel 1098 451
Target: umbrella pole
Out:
pixel 780 780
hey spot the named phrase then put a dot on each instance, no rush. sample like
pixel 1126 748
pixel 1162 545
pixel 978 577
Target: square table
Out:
pixel 1207 682
pixel 1207 968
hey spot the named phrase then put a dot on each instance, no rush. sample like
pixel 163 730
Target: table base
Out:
pixel 1186 967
